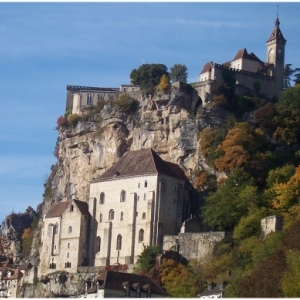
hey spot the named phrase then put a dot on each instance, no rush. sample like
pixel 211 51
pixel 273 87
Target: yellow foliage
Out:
pixel 164 84
pixel 27 233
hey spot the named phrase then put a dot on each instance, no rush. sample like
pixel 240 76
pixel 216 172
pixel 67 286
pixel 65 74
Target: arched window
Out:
pixel 71 207
pixel 123 196
pixel 111 214
pixel 145 183
pixel 121 216
pixel 119 242
pixel 102 198
pixel 70 229
pixel 141 235
pixel 100 218
pixel 144 216
pixel 68 245
pixel 98 244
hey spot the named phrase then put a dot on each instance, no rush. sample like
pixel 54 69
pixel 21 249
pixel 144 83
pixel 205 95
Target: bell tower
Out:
pixel 275 56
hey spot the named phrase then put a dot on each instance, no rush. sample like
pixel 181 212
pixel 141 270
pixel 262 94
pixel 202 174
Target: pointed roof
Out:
pixel 141 162
pixel 206 68
pixel 58 209
pixel 243 53
pixel 276 33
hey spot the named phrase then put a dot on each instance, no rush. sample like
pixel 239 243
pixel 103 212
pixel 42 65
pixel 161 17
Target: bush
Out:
pixel 126 103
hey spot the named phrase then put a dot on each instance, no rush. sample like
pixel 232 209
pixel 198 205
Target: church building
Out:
pixel 134 204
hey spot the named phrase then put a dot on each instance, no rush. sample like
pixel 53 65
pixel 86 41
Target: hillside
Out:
pixel 240 153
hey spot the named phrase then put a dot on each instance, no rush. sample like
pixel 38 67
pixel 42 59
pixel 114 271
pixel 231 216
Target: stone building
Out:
pixel 9 282
pixel 271 224
pixel 64 237
pixel 84 96
pixel 134 203
pixel 249 70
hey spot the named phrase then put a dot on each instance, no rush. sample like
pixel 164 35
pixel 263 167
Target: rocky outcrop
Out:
pixel 170 123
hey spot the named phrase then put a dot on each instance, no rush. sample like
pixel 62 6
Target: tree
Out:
pixel 231 201
pixel 146 261
pixel 148 76
pixel 297 76
pixel 164 83
pixel 287 73
pixel 178 73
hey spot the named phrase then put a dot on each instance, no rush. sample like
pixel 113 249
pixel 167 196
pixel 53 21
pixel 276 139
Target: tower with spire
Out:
pixel 275 55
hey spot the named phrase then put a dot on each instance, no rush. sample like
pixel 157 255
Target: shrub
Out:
pixel 61 122
pixel 126 103
pixel 73 119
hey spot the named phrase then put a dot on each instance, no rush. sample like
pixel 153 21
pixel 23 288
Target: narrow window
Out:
pixel 71 207
pixel 144 216
pixel 70 229
pixel 102 198
pixel 123 196
pixel 145 196
pixel 111 214
pixel 98 244
pixel 121 217
pixel 145 183
pixel 89 99
pixel 55 231
pixel 100 218
pixel 68 245
pixel 68 255
pixel 139 185
pixel 141 235
pixel 119 242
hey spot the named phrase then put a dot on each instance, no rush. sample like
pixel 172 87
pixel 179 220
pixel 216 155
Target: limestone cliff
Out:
pixel 169 123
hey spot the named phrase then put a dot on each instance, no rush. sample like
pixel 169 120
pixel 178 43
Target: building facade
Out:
pixel 134 204
pixel 64 237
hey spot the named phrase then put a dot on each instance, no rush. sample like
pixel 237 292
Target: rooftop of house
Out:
pixel 142 162
pixel 59 208
pixel 117 281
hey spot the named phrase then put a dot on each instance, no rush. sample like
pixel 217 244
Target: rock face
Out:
pixel 169 123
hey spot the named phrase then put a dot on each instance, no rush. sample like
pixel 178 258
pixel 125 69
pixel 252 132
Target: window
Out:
pixel 139 185
pixel 89 99
pixel 71 207
pixel 145 196
pixel 68 255
pixel 144 216
pixel 111 214
pixel 102 198
pixel 98 244
pixel 145 183
pixel 100 97
pixel 70 229
pixel 100 218
pixel 68 245
pixel 123 196
pixel 119 242
pixel 55 229
pixel 141 235
pixel 121 216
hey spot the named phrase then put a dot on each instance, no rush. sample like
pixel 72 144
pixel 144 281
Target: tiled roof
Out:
pixel 82 206
pixel 116 280
pixel 276 33
pixel 142 162
pixel 57 209
pixel 206 68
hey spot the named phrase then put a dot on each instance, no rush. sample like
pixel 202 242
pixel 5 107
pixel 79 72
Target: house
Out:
pixel 213 290
pixel 118 284
pixel 271 224
pixel 64 237
pixel 249 70
pixel 9 282
pixel 134 204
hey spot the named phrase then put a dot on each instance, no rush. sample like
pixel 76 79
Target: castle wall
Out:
pixel 193 245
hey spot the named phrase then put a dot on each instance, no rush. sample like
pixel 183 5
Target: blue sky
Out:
pixel 46 46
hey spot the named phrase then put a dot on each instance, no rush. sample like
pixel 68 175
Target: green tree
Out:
pixel 148 76
pixel 146 261
pixel 297 76
pixel 178 73
pixel 231 201
pixel 287 74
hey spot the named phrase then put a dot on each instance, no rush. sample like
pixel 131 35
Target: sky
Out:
pixel 46 46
